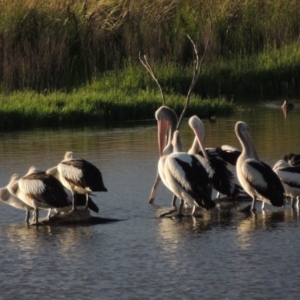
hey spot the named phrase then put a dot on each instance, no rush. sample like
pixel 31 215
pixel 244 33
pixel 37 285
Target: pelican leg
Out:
pixel 27 216
pixel 180 208
pixel 73 203
pixel 263 205
pixel 35 216
pixel 174 201
pixel 154 187
pixel 87 201
pixel 295 202
pixel 194 210
pixel 49 213
pixel 253 204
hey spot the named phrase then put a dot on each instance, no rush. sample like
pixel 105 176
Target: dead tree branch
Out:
pixel 145 63
pixel 196 73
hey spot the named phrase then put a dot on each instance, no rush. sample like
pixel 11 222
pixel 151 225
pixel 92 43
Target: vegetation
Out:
pixel 59 51
pixel 93 103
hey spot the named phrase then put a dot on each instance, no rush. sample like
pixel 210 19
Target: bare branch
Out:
pixel 145 63
pixel 196 73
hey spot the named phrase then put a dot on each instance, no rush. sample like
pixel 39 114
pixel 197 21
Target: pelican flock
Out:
pixel 191 176
pixel 221 178
pixel 181 173
pixel 60 190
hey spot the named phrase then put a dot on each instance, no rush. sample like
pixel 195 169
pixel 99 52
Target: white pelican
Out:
pixel 221 178
pixel 40 191
pixel 181 173
pixel 78 176
pixel 256 177
pixel 12 200
pixel 290 178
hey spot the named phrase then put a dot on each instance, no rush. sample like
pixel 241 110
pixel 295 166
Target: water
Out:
pixel 224 254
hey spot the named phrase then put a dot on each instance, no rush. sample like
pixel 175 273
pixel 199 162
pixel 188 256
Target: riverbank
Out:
pixel 97 103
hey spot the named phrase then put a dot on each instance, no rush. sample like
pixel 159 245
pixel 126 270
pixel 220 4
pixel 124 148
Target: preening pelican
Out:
pixel 290 178
pixel 221 178
pixel 39 191
pixel 256 177
pixel 181 173
pixel 12 200
pixel 78 176
pixel 170 123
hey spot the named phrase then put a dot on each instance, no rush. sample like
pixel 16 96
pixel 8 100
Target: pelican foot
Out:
pixel 167 213
pixel 151 200
pixel 246 209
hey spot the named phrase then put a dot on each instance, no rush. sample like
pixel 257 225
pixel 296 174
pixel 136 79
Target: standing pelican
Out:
pixel 181 173
pixel 12 200
pixel 256 177
pixel 78 176
pixel 290 178
pixel 221 178
pixel 39 191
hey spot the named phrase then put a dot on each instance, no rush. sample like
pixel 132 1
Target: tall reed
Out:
pixel 50 45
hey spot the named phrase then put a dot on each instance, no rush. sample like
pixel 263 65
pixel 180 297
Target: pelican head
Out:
pixel 69 155
pixel 33 170
pixel 166 117
pixel 199 130
pixel 176 142
pixel 243 134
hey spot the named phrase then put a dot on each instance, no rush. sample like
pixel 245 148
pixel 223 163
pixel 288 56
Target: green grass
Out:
pixel 97 103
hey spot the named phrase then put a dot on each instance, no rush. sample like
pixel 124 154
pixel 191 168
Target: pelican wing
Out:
pixel 189 173
pixel 265 181
pixel 82 173
pixel 44 188
pixel 290 176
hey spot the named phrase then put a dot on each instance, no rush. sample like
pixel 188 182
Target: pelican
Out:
pixel 12 200
pixel 221 178
pixel 292 159
pixel 78 176
pixel 287 105
pixel 290 178
pixel 39 191
pixel 256 177
pixel 181 172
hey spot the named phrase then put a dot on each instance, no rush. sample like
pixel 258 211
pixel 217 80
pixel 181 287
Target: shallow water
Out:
pixel 223 254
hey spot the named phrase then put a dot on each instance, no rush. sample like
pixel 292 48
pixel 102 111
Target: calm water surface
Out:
pixel 220 255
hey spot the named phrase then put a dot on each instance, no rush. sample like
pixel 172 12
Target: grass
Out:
pixel 96 103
